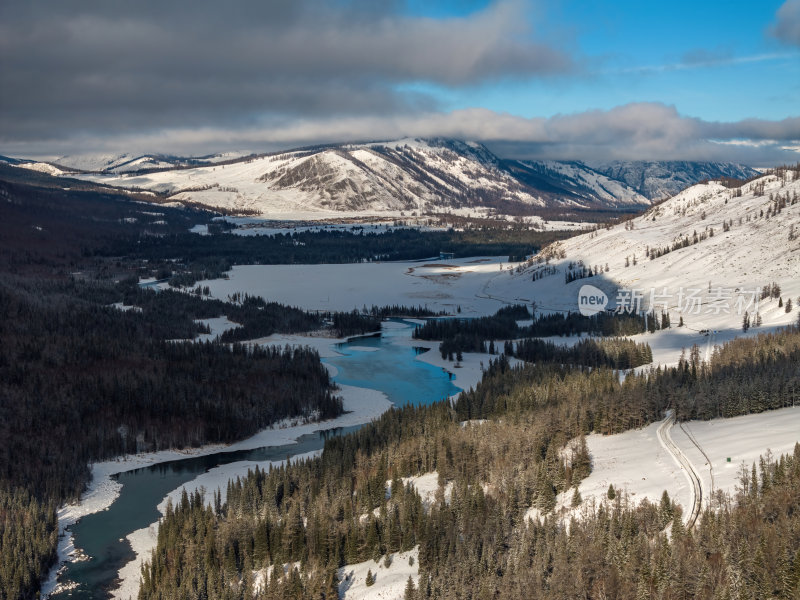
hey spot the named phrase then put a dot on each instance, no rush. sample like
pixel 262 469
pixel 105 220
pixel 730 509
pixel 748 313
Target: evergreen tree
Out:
pixel 411 589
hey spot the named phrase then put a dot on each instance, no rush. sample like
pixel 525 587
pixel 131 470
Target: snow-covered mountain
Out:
pixel 389 178
pixel 407 175
pixel 663 179
pixel 574 182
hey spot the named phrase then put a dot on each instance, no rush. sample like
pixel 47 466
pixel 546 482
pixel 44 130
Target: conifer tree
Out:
pixel 411 589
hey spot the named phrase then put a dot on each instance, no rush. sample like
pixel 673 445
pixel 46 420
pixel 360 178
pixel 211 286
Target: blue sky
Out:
pixel 711 60
pixel 560 79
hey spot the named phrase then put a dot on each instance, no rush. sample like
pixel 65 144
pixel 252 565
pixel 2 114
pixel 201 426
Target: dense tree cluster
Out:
pixel 615 353
pixel 28 533
pixel 478 334
pixel 471 335
pixel 355 323
pixel 81 381
pixel 744 376
pixel 399 310
pixel 747 546
pixel 573 323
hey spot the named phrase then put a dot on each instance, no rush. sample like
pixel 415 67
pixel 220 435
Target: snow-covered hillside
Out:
pixel 711 247
pixel 389 178
pixel 636 464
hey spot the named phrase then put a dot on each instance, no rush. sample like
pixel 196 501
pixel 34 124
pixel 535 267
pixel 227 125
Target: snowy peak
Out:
pixel 423 176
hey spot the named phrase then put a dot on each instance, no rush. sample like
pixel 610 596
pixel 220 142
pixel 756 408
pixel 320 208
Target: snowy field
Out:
pixel 742 439
pixel 636 463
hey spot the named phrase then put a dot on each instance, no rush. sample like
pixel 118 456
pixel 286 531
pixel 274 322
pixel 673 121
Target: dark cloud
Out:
pixel 787 23
pixel 118 67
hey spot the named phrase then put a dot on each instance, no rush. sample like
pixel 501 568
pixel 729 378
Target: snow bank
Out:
pixel 467 373
pixel 324 345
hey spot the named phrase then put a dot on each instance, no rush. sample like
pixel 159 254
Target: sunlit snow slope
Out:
pixel 743 242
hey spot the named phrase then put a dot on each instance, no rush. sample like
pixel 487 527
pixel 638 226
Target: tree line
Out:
pixel 479 334
pixel 615 353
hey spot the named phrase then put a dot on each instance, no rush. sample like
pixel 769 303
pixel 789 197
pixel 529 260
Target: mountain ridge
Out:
pixel 421 176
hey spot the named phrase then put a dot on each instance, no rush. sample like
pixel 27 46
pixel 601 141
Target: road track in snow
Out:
pixel 686 466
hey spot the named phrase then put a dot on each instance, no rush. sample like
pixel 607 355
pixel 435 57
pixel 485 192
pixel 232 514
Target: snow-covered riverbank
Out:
pixel 361 406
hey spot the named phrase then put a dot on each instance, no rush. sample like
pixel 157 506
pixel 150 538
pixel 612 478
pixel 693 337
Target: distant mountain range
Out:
pixel 409 175
pixel 136 163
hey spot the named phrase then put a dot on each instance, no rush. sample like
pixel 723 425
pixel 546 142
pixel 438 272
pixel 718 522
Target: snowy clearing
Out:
pixel 218 326
pixel 390 582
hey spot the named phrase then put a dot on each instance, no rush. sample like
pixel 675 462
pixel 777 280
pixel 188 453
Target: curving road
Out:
pixel 686 466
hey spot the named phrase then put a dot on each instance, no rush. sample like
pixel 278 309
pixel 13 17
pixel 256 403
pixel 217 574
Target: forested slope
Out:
pixel 332 510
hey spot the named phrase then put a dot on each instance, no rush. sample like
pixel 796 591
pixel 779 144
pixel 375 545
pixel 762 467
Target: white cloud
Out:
pixel 633 131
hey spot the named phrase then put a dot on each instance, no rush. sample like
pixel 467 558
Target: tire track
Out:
pixel 692 439
pixel 663 433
